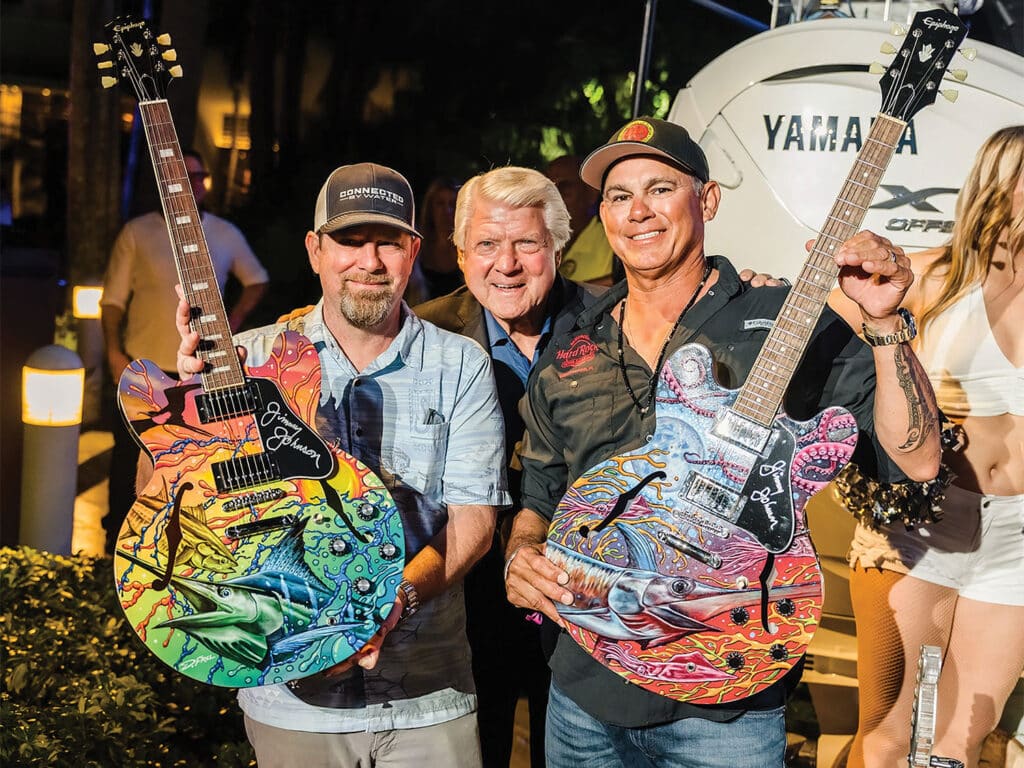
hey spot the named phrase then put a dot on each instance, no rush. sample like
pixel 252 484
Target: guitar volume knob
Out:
pixel 338 546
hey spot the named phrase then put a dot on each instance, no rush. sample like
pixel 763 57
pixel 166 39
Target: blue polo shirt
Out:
pixel 504 350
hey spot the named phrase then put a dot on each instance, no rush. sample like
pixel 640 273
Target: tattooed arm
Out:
pixel 906 416
pixel 875 275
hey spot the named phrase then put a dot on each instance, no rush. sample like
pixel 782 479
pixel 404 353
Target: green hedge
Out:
pixel 80 689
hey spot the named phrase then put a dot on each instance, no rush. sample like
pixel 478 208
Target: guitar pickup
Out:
pixel 244 472
pixel 224 404
pixel 741 432
pixel 712 497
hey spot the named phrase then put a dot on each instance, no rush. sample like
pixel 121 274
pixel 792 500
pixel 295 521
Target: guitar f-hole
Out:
pixel 622 504
pixel 173 535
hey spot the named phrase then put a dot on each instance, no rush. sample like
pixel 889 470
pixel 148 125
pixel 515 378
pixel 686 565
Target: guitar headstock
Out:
pixel 138 58
pixel 912 80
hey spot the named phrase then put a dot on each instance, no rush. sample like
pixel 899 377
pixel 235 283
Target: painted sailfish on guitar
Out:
pixel 691 565
pixel 258 553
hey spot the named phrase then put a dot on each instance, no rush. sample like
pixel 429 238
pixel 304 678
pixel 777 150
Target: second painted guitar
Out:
pixel 693 572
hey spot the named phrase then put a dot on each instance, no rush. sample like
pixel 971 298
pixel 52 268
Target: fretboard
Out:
pixel 762 394
pixel 191 254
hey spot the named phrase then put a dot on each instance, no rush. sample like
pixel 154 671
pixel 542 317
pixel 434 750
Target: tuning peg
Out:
pixel 108 82
pixel 170 55
pixel 888 48
pixel 164 39
pixel 100 48
pixel 959 74
pixel 104 64
pixel 897 30
pixel 950 94
pixel 876 68
pixel 969 53
pixel 176 71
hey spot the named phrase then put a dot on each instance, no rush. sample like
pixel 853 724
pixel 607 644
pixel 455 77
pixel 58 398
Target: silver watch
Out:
pixel 906 333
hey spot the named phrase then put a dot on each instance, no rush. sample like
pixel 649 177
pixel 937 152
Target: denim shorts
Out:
pixel 977 548
pixel 755 739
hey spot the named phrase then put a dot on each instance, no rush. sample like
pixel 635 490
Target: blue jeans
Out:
pixel 754 740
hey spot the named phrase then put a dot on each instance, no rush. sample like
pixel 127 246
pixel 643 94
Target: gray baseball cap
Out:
pixel 365 193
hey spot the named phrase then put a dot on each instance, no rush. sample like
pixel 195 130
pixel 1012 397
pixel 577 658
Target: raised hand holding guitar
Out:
pixel 256 553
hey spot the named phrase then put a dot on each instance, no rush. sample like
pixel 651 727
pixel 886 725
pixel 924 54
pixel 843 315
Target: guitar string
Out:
pixel 875 156
pixel 177 204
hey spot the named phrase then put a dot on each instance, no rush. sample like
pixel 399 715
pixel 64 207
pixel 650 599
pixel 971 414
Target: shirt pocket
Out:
pixel 427 450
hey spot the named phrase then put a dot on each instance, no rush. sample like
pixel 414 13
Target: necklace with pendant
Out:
pixel 652 385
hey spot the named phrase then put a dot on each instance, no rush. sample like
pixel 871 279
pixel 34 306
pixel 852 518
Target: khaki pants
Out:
pixel 454 743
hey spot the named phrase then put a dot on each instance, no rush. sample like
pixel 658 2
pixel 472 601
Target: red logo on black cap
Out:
pixel 638 130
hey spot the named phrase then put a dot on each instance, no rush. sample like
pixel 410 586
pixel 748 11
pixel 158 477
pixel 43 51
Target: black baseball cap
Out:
pixel 365 193
pixel 646 136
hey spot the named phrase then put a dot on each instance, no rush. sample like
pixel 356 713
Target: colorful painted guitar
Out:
pixel 693 571
pixel 257 554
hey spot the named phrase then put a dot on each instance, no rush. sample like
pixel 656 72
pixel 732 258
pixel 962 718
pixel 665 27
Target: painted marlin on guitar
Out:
pixel 263 617
pixel 639 604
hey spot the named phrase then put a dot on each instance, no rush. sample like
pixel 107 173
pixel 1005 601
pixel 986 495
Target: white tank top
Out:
pixel 970 373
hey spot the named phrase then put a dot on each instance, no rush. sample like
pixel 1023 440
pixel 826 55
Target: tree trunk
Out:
pixel 94 162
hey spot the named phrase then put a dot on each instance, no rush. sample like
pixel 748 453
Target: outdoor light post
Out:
pixel 52 389
pixel 85 307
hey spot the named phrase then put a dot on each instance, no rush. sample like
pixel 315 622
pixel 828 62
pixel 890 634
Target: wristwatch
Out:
pixel 412 598
pixel 906 333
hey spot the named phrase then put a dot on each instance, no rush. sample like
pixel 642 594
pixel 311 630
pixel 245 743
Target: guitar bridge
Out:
pixel 224 404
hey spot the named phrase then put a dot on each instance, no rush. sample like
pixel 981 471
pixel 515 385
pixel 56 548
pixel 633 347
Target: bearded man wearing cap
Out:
pixel 591 397
pixel 417 405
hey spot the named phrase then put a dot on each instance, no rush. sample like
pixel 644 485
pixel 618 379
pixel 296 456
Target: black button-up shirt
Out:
pixel 578 414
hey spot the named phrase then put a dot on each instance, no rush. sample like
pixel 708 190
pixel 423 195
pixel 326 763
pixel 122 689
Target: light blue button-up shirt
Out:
pixel 424 416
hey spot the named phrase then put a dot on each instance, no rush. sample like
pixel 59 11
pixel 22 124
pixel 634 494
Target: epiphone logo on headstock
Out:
pixel 932 23
pixel 129 25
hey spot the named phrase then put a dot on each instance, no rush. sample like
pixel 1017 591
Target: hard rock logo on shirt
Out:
pixel 581 350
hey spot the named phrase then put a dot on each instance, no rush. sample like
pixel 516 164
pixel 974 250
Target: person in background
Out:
pixel 957 583
pixel 437 269
pixel 588 257
pixel 418 406
pixel 582 409
pixel 138 297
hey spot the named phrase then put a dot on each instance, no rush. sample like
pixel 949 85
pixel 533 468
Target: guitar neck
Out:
pixel 761 396
pixel 191 253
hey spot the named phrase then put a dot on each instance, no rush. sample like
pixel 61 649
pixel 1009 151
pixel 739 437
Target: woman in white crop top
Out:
pixel 957 583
